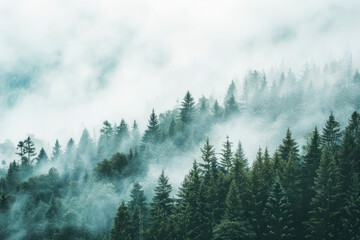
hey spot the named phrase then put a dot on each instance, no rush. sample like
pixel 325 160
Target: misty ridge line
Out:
pixel 122 156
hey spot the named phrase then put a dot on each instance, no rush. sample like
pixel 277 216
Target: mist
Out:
pixel 67 67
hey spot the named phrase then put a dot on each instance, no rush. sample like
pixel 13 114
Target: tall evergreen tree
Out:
pixel 226 156
pixel 234 224
pixel 135 134
pixel 42 157
pixel 123 226
pixel 309 167
pixel 278 214
pixel 325 212
pixel 162 208
pixel 289 147
pixel 331 133
pixel 29 150
pixel 138 210
pixel 152 132
pixel 187 108
pixel 231 106
pixel 106 132
pixel 241 155
pixel 56 152
pixel 217 110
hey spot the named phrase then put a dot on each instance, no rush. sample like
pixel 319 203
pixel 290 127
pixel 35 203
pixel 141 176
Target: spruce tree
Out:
pixel 241 155
pixel 135 134
pixel 122 133
pixel 289 146
pixel 162 208
pixel 217 110
pixel 56 152
pixel 210 166
pixel 106 132
pixel 325 212
pixel 29 151
pixel 231 106
pixel 331 133
pixel 152 132
pixel 187 108
pixel 42 157
pixel 234 224
pixel 123 226
pixel 226 156
pixel 138 210
pixel 278 214
pixel 309 167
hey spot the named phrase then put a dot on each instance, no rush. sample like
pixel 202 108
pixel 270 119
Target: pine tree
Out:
pixel 122 133
pixel 325 213
pixel 209 167
pixel 231 106
pixel 42 157
pixel 351 218
pixel 241 155
pixel 29 151
pixel 331 133
pixel 135 134
pixel 70 151
pixel 187 108
pixel 289 146
pixel 217 110
pixel 138 210
pixel 162 208
pixel 172 128
pixel 234 224
pixel 152 133
pixel 123 226
pixel 278 214
pixel 106 132
pixel 56 152
pixel 191 209
pixel 226 156
pixel 309 168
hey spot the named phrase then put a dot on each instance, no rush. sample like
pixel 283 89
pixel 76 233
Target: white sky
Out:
pixel 156 51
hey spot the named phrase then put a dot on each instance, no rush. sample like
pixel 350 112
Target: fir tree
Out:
pixel 106 131
pixel 56 152
pixel 29 151
pixel 42 157
pixel 226 156
pixel 241 155
pixel 123 226
pixel 331 133
pixel 289 147
pixel 309 168
pixel 234 224
pixel 278 214
pixel 209 167
pixel 325 213
pixel 152 132
pixel 187 108
pixel 216 110
pixel 138 210
pixel 135 134
pixel 231 106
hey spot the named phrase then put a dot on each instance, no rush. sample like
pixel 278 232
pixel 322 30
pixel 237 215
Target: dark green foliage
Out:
pixel 113 168
pixel 241 155
pixel 289 147
pixel 325 213
pixel 331 133
pixel 138 210
pixel 152 132
pixel 187 108
pixel 234 224
pixel 162 208
pixel 278 214
pixel 42 157
pixel 123 226
pixel 309 167
pixel 226 156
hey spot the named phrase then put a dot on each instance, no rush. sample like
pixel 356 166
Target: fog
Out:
pixel 77 64
pixel 66 66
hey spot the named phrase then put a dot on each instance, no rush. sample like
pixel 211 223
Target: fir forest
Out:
pixel 94 147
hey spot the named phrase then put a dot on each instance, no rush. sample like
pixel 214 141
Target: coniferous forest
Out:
pixel 95 188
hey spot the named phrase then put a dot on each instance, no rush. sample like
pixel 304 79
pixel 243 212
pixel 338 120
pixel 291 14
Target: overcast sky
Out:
pixel 114 59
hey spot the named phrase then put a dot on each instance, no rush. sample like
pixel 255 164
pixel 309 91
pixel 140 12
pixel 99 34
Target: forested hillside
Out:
pixel 94 188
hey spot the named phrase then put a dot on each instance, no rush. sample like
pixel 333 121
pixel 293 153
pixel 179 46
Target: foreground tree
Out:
pixel 123 226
